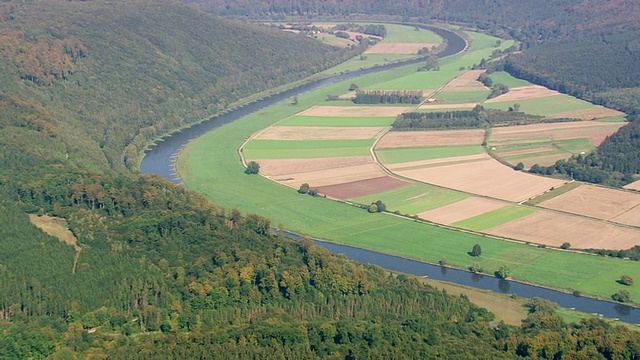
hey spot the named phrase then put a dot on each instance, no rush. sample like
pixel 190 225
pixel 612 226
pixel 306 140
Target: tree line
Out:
pixel 388 97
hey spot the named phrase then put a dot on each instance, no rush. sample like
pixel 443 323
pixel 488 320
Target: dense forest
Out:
pixel 157 271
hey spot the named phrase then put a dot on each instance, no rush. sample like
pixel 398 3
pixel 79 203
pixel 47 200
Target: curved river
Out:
pixel 160 160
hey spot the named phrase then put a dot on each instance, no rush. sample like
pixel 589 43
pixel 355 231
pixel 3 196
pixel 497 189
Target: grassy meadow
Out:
pixel 401 155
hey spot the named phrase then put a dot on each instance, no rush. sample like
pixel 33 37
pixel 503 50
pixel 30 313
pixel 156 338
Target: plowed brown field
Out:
pixel 358 188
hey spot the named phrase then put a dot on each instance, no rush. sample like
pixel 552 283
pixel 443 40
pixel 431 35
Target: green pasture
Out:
pixel 400 155
pixel 520 144
pixel 621 118
pixel 337 121
pixel 481 47
pixel 462 97
pixel 553 193
pixel 306 149
pixel 414 198
pixel 544 106
pixel 503 77
pixel 210 165
pixel 426 109
pixel 418 80
pixel 575 146
pixel 495 218
pixel 367 61
pixel 514 159
pixel 409 34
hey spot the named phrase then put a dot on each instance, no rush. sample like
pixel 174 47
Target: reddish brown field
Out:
pixel 524 93
pixel 633 186
pixel 439 106
pixel 398 48
pixel 318 133
pixel 588 114
pixel 598 202
pixel 555 131
pixel 319 178
pixel 468 81
pixel 487 178
pixel 549 228
pixel 355 111
pixel 362 187
pixel 279 167
pixel 402 139
pixel 461 210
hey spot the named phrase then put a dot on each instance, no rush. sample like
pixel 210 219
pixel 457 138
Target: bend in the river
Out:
pixel 160 160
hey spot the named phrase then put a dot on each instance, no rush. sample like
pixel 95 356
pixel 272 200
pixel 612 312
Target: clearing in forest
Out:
pixel 57 227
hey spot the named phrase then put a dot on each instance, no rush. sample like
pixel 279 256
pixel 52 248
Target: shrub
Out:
pixel 626 280
pixel 621 296
pixel 565 246
pixel 252 168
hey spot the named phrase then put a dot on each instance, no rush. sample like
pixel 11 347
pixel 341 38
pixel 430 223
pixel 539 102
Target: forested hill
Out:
pixel 110 75
pixel 581 47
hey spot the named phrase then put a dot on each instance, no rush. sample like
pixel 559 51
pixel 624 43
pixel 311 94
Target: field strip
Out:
pixel 433 106
pixel 524 93
pixel 354 111
pixel 437 162
pixel 462 210
pixel 402 139
pixel 318 133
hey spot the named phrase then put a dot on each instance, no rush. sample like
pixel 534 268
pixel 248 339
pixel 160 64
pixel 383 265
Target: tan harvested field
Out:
pixel 355 111
pixel 421 164
pixel 598 112
pixel 461 210
pixel 362 187
pixel 440 106
pixel 549 228
pixel 468 81
pixel 545 160
pixel 524 93
pixel 398 48
pixel 403 139
pixel 633 186
pixel 279 167
pixel 555 131
pixel 487 177
pixel 56 227
pixel 597 202
pixel 630 217
pixel 319 178
pixel 319 133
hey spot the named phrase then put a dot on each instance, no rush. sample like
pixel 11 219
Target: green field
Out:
pixel 575 146
pixel 400 155
pixel 211 166
pixel 495 218
pixel 305 149
pixel 503 77
pixel 409 34
pixel 462 97
pixel 544 106
pixel 337 121
pixel 414 198
pixel 417 80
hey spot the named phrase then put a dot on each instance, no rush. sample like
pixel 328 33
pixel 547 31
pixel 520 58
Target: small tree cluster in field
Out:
pixel 519 167
pixel 476 268
pixel 622 296
pixel 626 280
pixel 476 251
pixel 503 272
pixel 306 189
pixel 252 168
pixel 565 246
pixel 377 206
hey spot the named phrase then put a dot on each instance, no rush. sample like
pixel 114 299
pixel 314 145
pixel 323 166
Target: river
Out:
pixel 160 160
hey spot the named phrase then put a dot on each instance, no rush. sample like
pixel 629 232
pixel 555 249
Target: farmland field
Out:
pixel 401 139
pixel 462 210
pixel 544 106
pixel 496 217
pixel 414 198
pixel 211 166
pixel 297 149
pixel 461 97
pixel 503 77
pixel 401 155
pixel 336 121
